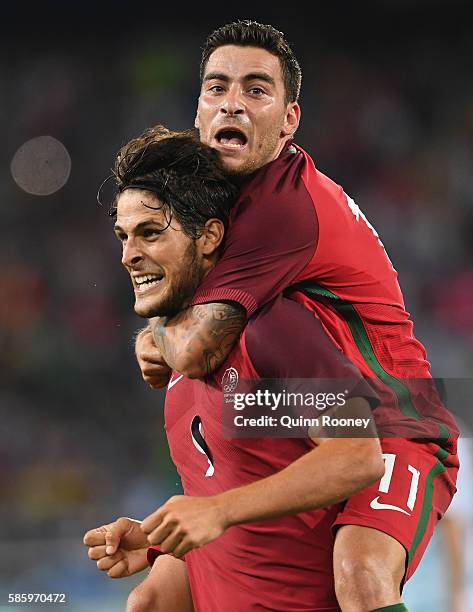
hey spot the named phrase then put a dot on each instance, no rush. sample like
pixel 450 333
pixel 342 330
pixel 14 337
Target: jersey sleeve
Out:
pixel 286 341
pixel 272 237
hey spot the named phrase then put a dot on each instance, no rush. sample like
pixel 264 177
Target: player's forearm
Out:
pixel 197 340
pixel 332 472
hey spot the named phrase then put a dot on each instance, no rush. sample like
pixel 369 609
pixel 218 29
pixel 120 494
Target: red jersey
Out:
pixel 280 564
pixel 293 226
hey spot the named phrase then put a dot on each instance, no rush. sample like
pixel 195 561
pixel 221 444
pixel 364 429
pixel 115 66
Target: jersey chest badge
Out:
pixel 229 380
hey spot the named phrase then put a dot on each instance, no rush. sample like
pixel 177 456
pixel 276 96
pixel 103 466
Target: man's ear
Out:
pixel 292 118
pixel 196 120
pixel 212 236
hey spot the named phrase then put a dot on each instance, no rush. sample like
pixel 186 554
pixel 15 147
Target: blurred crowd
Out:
pixel 82 441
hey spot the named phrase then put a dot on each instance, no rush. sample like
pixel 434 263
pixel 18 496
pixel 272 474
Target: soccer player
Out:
pixel 294 226
pixel 255 521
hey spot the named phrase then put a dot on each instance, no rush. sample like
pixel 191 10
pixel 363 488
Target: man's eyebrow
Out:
pixel 141 225
pixel 259 76
pixel 219 76
pixel 252 76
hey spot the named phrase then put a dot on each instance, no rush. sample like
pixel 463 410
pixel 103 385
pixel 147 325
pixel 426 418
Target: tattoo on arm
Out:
pixel 202 334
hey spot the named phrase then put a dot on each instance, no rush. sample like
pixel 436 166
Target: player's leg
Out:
pixel 368 568
pixel 165 589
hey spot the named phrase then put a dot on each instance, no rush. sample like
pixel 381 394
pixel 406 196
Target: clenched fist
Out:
pixel 119 548
pixel 154 369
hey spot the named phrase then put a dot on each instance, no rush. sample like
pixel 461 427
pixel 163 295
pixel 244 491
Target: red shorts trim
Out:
pixel 413 495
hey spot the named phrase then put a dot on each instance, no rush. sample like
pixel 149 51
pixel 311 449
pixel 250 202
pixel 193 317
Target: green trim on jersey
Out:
pixel 355 323
pixel 444 433
pixel 441 454
pixel 426 507
pixel 362 341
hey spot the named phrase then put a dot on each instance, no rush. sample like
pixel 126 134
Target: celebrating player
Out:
pixel 280 496
pixel 294 226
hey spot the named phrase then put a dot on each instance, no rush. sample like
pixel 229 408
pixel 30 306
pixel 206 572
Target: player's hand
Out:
pixel 119 548
pixel 184 523
pixel 154 369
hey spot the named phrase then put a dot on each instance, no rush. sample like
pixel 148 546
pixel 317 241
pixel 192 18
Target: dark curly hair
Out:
pixel 185 174
pixel 245 33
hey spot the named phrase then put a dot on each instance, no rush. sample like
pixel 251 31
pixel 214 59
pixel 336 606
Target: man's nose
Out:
pixel 232 103
pixel 131 254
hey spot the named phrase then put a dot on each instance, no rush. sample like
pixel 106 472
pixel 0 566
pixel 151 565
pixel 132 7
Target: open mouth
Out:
pixel 232 138
pixel 146 281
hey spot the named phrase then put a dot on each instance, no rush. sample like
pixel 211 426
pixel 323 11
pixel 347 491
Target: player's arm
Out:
pixel 272 237
pixel 330 473
pixel 197 340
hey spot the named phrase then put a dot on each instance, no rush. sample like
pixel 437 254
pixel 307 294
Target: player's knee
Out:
pixel 364 579
pixel 143 599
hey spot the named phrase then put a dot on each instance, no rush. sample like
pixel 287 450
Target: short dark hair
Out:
pixel 245 33
pixel 185 174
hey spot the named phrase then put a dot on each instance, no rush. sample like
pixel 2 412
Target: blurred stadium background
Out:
pixel 387 104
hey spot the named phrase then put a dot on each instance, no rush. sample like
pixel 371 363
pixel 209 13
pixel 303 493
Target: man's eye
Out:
pixel 257 91
pixel 151 233
pixel 216 89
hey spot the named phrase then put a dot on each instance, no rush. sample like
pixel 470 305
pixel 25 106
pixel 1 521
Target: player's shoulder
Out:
pixel 317 183
pixel 275 198
pixel 280 176
pixel 295 183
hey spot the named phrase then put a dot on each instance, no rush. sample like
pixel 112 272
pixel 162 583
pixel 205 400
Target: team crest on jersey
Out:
pixel 229 380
